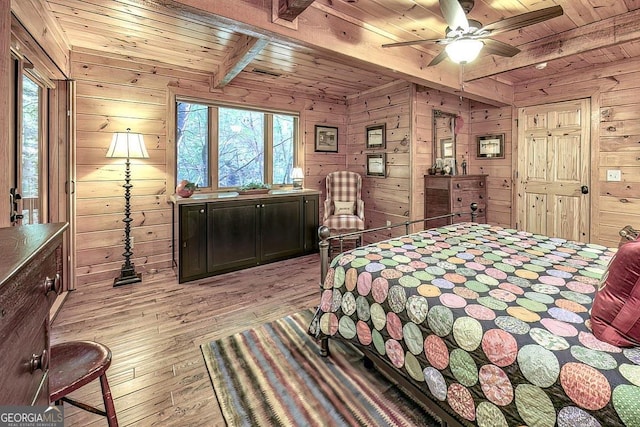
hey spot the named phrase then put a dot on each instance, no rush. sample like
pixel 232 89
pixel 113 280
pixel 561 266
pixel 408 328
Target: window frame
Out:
pixel 22 68
pixel 212 143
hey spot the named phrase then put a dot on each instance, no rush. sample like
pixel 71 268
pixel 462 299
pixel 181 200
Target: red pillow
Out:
pixel 615 314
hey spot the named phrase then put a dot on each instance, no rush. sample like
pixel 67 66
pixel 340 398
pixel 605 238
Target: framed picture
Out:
pixel 327 139
pixel 490 147
pixel 446 146
pixel 376 136
pixel 377 164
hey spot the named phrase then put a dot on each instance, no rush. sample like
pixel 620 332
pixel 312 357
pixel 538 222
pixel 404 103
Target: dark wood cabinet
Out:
pixel 30 280
pixel 193 248
pixel 232 235
pixel 279 239
pixel 311 222
pixel 225 235
pixel 446 194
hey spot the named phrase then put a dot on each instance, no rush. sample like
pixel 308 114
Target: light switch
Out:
pixel 614 175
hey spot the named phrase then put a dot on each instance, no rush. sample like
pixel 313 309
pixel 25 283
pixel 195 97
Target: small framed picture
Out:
pixel 490 147
pixel 377 165
pixel 376 136
pixel 446 145
pixel 327 139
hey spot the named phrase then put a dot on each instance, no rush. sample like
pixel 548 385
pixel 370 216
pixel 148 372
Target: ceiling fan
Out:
pixel 465 38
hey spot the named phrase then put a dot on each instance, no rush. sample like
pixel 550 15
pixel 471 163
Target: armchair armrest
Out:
pixel 327 210
pixel 360 208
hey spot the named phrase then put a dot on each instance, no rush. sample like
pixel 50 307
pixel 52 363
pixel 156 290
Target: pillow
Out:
pixel 615 314
pixel 343 208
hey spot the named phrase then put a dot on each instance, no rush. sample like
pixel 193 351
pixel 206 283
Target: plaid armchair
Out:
pixel 343 208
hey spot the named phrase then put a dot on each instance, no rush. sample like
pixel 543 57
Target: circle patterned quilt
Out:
pixel 492 323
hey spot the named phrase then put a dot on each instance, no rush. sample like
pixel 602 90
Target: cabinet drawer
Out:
pixel 468 184
pixel 461 200
pixel 438 182
pixel 24 313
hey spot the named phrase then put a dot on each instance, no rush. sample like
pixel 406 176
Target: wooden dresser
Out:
pixel 445 194
pixel 30 279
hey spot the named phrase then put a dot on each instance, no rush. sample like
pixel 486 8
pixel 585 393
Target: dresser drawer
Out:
pixel 468 184
pixel 445 194
pixel 24 334
pixel 461 200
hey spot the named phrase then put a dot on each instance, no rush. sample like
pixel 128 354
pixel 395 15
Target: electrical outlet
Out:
pixel 614 175
pixel 388 223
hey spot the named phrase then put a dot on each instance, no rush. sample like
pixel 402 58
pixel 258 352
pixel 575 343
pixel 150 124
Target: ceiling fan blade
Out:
pixel 411 42
pixel 523 20
pixel 438 58
pixel 496 47
pixel 454 15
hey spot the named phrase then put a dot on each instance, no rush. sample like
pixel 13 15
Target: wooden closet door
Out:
pixel 554 170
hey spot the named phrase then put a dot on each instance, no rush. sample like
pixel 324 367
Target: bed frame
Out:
pixel 371 359
pixel 628 234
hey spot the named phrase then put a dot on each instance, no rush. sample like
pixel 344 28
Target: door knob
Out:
pixel 584 189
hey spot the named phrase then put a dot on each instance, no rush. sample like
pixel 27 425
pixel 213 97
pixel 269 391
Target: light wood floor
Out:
pixel 155 328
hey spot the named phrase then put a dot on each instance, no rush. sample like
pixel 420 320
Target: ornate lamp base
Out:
pixel 127 276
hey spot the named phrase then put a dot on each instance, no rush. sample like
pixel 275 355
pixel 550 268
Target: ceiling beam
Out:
pixel 598 35
pixel 290 9
pixel 242 53
pixel 347 41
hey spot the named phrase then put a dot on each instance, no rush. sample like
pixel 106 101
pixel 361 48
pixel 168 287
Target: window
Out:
pixel 28 150
pixel 224 147
pixel 29 167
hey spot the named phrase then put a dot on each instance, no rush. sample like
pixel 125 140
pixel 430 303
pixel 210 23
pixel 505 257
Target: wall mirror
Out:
pixel 444 142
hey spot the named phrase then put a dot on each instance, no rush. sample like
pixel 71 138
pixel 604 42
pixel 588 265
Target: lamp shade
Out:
pixel 297 176
pixel 127 145
pixel 297 173
pixel 463 51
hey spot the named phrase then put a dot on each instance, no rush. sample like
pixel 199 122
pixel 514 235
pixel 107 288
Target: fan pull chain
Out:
pixel 461 80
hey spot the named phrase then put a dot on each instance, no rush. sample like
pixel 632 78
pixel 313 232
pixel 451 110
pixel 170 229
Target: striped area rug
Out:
pixel 273 376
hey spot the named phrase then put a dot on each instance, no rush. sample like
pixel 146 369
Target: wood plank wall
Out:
pixel 407 112
pixel 614 90
pixel 385 198
pixel 6 178
pixel 114 94
pixel 488 120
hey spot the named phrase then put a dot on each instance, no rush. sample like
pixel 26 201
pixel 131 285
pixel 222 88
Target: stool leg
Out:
pixel 108 402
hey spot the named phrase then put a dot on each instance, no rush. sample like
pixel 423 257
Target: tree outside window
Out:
pixel 247 146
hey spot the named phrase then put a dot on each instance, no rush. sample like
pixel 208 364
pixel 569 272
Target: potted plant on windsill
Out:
pixel 186 188
pixel 254 188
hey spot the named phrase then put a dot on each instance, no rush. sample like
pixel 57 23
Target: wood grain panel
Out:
pixel 115 204
pixel 6 121
pixel 486 120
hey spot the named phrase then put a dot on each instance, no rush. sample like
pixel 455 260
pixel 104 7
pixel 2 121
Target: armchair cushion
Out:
pixel 344 223
pixel 344 208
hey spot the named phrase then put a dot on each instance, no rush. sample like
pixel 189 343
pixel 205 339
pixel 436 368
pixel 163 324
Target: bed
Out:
pixel 491 325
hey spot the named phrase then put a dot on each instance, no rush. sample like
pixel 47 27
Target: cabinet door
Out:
pixel 282 231
pixel 311 223
pixel 193 242
pixel 233 235
pixel 437 200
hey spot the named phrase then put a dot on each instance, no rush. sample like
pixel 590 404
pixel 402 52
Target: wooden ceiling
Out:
pixel 332 48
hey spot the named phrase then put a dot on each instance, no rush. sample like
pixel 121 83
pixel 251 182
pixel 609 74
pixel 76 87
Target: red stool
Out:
pixel 74 364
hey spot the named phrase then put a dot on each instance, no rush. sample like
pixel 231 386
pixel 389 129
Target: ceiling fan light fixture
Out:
pixel 463 51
